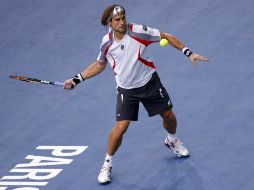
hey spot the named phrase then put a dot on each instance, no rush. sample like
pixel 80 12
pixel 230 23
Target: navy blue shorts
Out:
pixel 152 95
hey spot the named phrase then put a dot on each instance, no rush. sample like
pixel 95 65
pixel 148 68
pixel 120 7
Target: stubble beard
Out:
pixel 122 31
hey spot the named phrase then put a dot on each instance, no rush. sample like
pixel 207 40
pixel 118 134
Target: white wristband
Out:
pixel 186 51
pixel 80 77
pixel 77 78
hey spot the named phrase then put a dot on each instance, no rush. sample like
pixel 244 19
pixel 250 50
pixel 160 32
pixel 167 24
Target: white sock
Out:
pixel 108 159
pixel 172 136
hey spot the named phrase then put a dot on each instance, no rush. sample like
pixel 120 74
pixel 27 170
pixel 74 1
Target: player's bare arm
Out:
pixel 91 71
pixel 176 43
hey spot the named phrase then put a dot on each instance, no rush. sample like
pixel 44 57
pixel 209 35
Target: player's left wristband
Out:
pixel 77 78
pixel 186 51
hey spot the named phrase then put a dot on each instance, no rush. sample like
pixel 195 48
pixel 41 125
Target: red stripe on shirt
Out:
pixel 131 27
pixel 144 42
pixel 147 63
pixel 106 50
pixel 114 65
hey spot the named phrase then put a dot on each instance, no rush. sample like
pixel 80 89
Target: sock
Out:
pixel 172 136
pixel 108 159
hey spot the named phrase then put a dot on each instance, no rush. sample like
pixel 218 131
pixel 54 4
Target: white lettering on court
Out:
pixel 30 175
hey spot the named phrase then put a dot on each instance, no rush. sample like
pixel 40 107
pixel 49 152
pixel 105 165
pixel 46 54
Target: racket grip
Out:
pixel 62 84
pixel 58 84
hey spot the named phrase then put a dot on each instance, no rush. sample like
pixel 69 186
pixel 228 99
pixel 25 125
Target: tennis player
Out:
pixel 124 47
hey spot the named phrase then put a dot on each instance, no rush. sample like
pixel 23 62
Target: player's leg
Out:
pixel 159 102
pixel 114 141
pixel 126 110
pixel 116 136
pixel 171 141
pixel 169 121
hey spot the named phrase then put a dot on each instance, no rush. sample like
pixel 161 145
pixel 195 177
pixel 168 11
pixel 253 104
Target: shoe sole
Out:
pixel 104 183
pixel 179 156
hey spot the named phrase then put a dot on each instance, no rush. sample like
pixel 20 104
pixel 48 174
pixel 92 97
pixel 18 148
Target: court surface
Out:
pixel 55 39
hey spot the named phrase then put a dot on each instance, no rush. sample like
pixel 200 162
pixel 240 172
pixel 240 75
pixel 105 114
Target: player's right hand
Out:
pixel 69 84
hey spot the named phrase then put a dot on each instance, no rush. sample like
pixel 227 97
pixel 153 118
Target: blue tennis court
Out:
pixel 62 135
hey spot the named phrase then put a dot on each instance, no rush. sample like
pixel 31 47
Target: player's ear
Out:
pixel 110 23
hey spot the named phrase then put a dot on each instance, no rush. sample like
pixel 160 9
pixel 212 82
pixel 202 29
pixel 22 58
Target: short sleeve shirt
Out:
pixel 129 58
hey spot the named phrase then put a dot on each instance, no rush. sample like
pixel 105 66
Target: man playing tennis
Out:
pixel 125 49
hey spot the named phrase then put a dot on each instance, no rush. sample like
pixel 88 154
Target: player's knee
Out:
pixel 169 116
pixel 121 127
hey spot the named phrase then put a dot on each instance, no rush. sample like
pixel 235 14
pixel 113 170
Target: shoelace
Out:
pixel 176 143
pixel 179 144
pixel 106 169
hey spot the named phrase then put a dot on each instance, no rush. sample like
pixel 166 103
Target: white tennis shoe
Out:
pixel 105 174
pixel 177 146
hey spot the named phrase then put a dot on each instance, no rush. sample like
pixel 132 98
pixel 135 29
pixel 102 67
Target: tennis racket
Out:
pixel 36 81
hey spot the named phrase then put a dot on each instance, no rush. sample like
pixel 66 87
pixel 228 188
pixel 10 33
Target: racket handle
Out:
pixel 62 84
pixel 58 84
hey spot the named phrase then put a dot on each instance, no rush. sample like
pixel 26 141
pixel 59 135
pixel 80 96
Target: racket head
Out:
pixel 25 79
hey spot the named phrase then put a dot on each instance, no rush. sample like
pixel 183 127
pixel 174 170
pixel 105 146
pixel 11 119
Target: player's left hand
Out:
pixel 195 57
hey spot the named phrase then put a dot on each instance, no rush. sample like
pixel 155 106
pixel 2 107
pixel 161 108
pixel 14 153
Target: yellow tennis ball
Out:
pixel 163 42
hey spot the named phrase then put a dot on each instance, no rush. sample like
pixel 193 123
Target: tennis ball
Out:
pixel 163 42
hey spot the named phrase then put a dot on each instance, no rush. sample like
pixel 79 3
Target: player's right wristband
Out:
pixel 77 78
pixel 186 51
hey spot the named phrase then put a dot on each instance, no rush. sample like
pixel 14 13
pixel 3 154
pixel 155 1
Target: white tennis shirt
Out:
pixel 129 59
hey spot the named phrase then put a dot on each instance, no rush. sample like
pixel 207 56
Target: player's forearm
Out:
pixel 93 70
pixel 172 40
